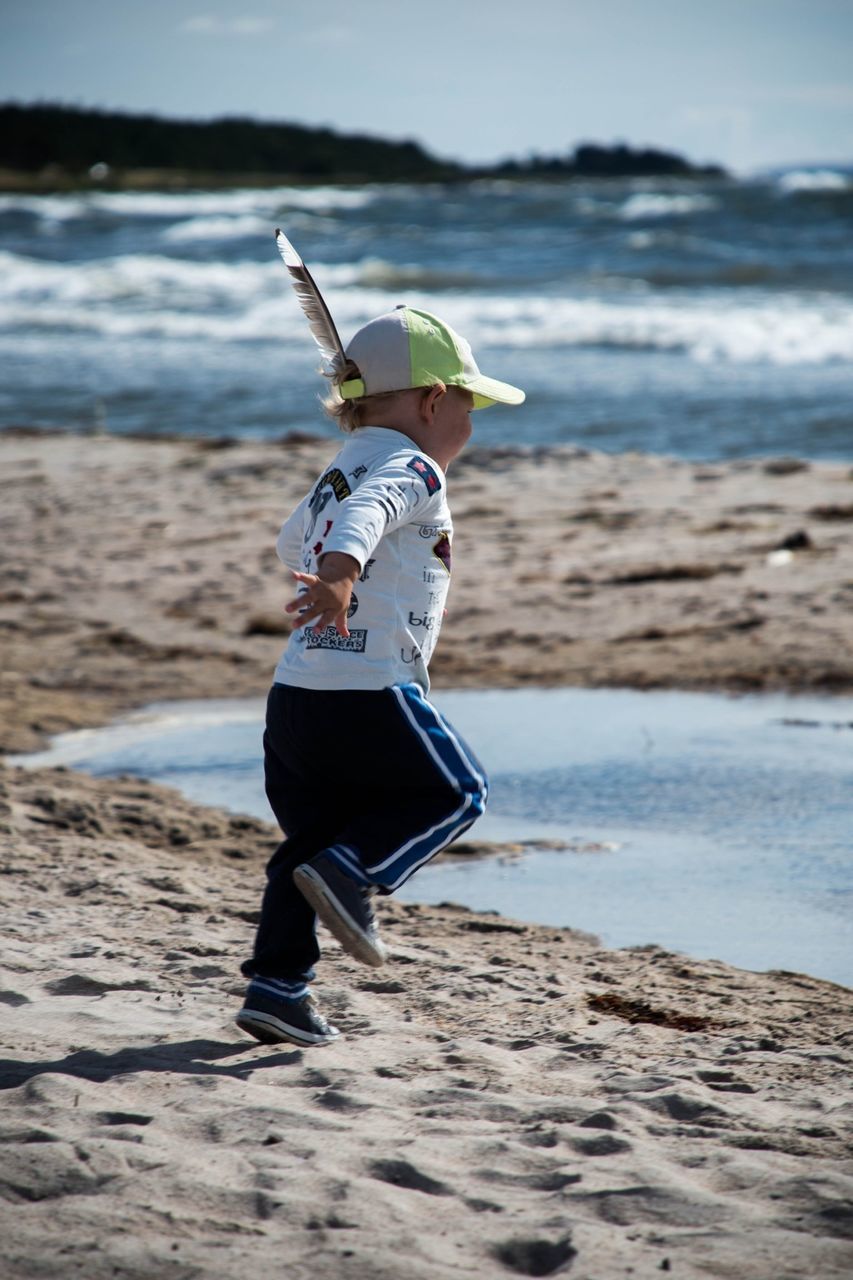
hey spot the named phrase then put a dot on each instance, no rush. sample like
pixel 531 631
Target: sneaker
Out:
pixel 273 1018
pixel 343 906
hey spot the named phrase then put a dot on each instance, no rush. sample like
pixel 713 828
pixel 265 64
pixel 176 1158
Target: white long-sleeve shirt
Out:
pixel 383 502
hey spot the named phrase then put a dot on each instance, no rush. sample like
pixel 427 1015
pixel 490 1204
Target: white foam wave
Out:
pixel 644 205
pixel 141 278
pixel 773 331
pixel 246 200
pixel 249 301
pixel 49 208
pixel 806 329
pixel 135 279
pixel 751 335
pixel 652 204
pixel 191 204
pixel 813 180
pixel 217 228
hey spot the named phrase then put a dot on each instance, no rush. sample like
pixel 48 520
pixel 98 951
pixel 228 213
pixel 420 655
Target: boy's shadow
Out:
pixel 185 1057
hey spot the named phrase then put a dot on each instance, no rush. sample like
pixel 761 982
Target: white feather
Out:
pixel 319 317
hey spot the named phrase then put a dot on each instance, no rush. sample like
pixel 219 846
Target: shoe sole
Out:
pixel 271 1030
pixel 337 919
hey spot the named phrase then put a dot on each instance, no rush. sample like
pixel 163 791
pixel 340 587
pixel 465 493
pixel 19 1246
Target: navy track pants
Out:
pixel 379 778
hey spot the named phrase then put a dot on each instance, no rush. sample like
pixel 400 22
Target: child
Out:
pixel 367 779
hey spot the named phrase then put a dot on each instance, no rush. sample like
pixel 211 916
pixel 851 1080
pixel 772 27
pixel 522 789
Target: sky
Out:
pixel 751 84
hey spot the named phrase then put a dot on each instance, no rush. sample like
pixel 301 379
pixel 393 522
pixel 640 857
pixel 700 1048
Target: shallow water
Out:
pixel 725 821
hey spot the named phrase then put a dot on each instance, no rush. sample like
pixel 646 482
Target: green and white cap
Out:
pixel 409 348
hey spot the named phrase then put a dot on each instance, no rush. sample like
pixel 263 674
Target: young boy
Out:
pixel 367 779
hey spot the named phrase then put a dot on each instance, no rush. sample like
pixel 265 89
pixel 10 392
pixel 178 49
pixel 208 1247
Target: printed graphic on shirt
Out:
pixel 333 484
pixel 430 530
pixel 338 482
pixel 360 470
pixel 332 639
pixel 319 501
pixel 427 473
pixel 353 605
pixel 427 621
pixel 365 573
pixel 441 550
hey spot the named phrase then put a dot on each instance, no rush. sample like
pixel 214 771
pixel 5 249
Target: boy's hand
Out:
pixel 326 598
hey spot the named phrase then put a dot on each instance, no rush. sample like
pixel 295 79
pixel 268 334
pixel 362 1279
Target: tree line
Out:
pixel 83 143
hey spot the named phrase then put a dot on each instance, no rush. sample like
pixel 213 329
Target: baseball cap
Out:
pixel 409 348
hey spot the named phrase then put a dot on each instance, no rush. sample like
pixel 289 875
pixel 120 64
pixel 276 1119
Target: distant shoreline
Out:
pixel 55 180
pixel 50 147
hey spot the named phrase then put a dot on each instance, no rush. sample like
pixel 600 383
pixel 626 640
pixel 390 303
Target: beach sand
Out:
pixel 505 1099
pixel 139 570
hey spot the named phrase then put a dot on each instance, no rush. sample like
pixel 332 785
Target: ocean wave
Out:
pixel 155 295
pixel 651 204
pixel 751 339
pixel 134 279
pixel 191 204
pixel 48 208
pixel 813 180
pixel 769 331
pixel 643 206
pixel 154 277
pixel 203 228
pixel 257 323
pixel 243 200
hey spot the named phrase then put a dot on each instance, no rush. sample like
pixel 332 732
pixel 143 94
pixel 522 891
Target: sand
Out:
pixel 136 570
pixel 506 1099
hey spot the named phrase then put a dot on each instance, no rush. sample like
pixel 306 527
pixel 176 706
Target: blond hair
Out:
pixel 358 412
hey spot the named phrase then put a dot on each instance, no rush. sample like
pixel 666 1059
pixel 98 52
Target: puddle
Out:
pixel 712 825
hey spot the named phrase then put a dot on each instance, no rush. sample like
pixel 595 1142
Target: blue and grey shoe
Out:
pixel 272 1013
pixel 344 907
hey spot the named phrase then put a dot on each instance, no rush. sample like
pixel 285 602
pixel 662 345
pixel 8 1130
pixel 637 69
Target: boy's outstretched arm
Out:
pixel 324 598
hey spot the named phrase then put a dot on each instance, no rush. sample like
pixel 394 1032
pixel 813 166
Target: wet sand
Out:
pixel 506 1099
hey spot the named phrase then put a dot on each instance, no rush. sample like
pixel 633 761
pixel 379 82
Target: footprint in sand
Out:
pixel 603 1144
pixel 336 1100
pixel 79 984
pixel 534 1257
pixel 598 1120
pixel 49 1171
pixel 13 998
pixel 402 1174
pixel 540 1180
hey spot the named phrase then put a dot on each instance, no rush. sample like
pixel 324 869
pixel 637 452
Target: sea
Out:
pixel 700 319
